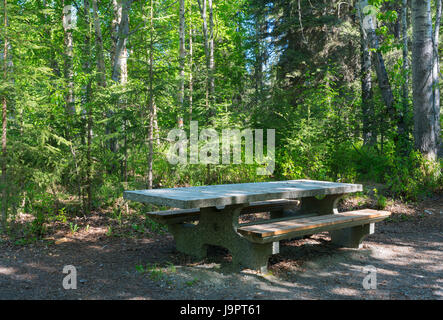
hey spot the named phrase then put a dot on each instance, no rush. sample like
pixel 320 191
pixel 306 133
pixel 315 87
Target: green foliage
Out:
pixel 61 216
pixel 381 200
pixel 414 177
pixel 156 272
pixel 192 282
pixel 73 227
pixel 155 227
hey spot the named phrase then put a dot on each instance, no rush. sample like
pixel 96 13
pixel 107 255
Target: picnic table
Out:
pixel 217 209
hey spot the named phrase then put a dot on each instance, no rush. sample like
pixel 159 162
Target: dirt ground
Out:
pixel 406 252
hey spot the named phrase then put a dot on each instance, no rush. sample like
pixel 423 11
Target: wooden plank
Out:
pixel 272 229
pixel 292 225
pixel 221 195
pixel 292 217
pixel 301 233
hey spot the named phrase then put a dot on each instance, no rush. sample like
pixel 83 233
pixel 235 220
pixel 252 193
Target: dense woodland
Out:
pixel 89 94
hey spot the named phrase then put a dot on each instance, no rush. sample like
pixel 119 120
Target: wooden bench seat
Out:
pixel 188 215
pixel 287 228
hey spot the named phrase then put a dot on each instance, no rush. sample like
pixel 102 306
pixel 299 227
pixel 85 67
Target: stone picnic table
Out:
pixel 217 209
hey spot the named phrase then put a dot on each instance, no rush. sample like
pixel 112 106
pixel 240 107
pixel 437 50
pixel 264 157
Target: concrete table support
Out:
pixel 218 227
pixel 313 205
pixel 321 206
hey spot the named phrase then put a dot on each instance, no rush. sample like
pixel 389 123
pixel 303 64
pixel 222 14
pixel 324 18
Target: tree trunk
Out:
pixel 116 69
pixel 119 54
pixel 117 11
pixel 99 47
pixel 182 57
pixel 426 128
pixel 4 124
pixel 211 53
pixel 69 71
pixel 436 76
pixel 87 206
pixel 151 100
pixel 191 58
pixel 102 83
pixel 120 47
pixel 369 132
pixel 368 112
pixel 203 11
pixel 259 56
pixel 69 93
pixel 368 25
pixel 403 124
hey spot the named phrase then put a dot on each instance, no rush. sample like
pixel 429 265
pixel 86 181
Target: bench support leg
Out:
pixel 219 229
pixel 254 255
pixel 352 237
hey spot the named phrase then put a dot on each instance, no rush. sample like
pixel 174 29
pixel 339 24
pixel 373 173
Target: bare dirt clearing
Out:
pixel 406 252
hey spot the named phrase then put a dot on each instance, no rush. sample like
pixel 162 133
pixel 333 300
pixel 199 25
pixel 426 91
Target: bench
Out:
pixel 347 228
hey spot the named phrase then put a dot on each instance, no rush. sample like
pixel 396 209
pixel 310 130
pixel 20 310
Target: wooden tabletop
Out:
pixel 227 194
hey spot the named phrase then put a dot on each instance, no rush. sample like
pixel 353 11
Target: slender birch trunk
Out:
pixel 117 11
pixel 203 11
pixel 369 132
pixel 119 53
pixel 151 100
pixel 403 125
pixel 87 207
pixel 102 83
pixel 436 76
pixel 4 123
pixel 259 59
pixel 182 59
pixel 69 66
pixel 405 51
pixel 368 25
pixel 191 52
pixel 99 47
pixel 425 125
pixel 211 52
pixel 69 90
pixel 116 69
pixel 123 105
pixel 120 46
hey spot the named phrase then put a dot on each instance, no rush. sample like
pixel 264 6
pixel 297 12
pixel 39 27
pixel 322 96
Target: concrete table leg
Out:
pixel 218 227
pixel 312 205
pixel 325 205
pixel 352 237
